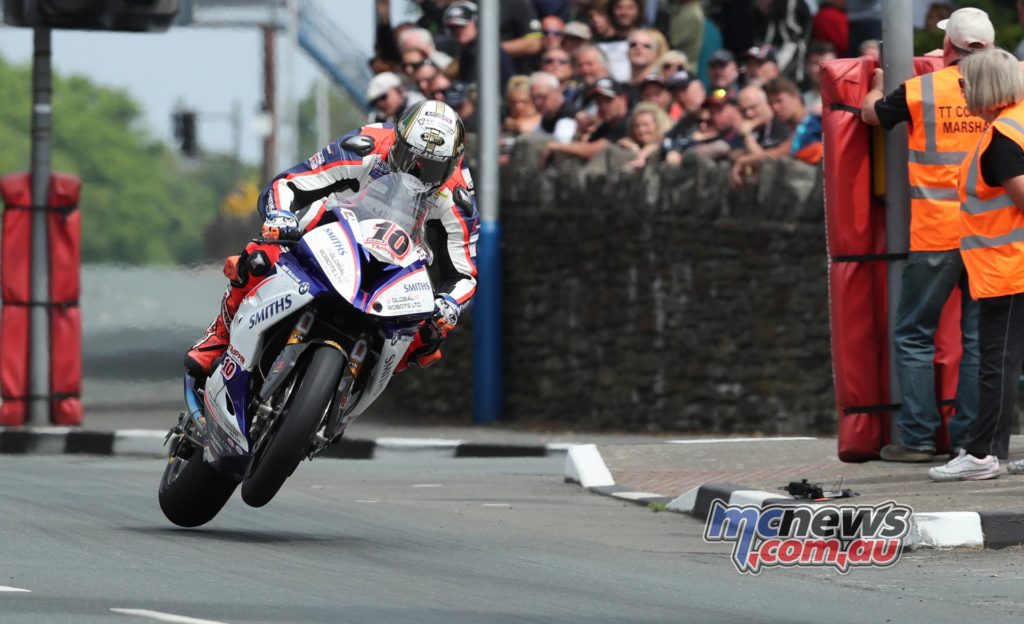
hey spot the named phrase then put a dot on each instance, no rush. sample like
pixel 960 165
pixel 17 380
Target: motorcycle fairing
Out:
pixel 226 443
pixel 332 248
pixel 277 297
pixel 406 293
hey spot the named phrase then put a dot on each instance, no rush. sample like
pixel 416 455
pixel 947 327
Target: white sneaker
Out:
pixel 966 467
pixel 1015 467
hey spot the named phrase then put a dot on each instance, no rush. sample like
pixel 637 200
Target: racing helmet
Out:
pixel 429 141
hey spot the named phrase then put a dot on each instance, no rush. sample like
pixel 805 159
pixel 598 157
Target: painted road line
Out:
pixel 725 440
pixel 160 616
pixel 4 588
pixel 427 485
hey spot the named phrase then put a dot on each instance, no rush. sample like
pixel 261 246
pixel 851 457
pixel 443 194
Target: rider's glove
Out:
pixel 435 331
pixel 281 226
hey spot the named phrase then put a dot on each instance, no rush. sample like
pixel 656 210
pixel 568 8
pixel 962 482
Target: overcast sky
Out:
pixel 205 69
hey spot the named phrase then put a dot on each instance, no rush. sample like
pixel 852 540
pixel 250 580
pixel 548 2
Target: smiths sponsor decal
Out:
pixel 418 287
pixel 271 310
pixel 316 160
pixel 340 247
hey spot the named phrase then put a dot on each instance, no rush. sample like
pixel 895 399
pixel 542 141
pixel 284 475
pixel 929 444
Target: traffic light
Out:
pixel 126 15
pixel 185 132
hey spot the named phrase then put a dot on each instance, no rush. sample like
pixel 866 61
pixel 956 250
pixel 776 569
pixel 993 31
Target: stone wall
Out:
pixel 655 301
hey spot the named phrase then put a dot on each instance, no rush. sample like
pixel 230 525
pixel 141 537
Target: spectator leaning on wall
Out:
pixel 612 109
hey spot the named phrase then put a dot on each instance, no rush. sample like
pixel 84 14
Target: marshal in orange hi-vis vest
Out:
pixel 991 225
pixel 941 133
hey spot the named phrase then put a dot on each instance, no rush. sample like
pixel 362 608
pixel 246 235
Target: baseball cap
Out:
pixel 607 87
pixel 762 53
pixel 653 78
pixel 969 29
pixel 679 80
pixel 577 29
pixel 721 57
pixel 381 84
pixel 716 97
pixel 460 13
pixel 456 94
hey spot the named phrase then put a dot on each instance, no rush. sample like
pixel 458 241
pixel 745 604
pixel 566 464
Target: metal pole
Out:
pixel 288 123
pixel 488 391
pixel 39 333
pixel 898 64
pixel 236 139
pixel 269 109
pixel 323 112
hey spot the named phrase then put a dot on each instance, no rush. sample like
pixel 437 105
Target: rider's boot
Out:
pixel 200 358
pixel 244 272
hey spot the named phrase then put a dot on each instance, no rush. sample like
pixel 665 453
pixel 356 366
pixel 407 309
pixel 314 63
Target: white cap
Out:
pixel 969 29
pixel 381 84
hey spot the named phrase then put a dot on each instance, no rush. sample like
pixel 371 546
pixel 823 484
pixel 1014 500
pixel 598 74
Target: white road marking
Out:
pixel 360 500
pixel 4 588
pixel 721 440
pixel 427 485
pixel 164 617
pixel 497 505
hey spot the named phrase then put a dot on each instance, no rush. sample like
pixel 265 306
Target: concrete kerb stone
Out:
pixel 943 530
pixel 150 443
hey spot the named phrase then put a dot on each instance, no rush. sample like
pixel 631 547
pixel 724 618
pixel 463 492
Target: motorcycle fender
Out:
pixel 390 355
pixel 282 367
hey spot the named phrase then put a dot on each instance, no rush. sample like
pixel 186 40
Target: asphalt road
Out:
pixel 425 539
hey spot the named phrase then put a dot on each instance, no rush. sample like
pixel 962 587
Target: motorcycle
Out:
pixel 311 348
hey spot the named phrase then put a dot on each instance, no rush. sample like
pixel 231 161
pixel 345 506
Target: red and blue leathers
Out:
pixel 343 167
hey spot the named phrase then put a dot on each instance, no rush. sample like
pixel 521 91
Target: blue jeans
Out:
pixel 929 277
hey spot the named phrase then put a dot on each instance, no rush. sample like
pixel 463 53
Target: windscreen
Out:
pixel 397 197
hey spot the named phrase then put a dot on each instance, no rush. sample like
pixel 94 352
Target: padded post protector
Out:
pixel 64 290
pixel 65 233
pixel 855 229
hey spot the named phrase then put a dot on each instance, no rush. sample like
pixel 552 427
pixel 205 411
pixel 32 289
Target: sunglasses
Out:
pixel 553 33
pixel 411 67
pixel 378 99
pixel 633 44
pixel 672 66
pixel 962 83
pixel 560 61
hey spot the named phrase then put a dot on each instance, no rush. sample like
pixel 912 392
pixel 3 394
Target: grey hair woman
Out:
pixel 991 186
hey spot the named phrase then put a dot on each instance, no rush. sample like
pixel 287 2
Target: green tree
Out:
pixel 140 202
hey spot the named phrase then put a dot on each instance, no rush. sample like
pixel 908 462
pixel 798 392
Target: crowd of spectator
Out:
pixel 733 80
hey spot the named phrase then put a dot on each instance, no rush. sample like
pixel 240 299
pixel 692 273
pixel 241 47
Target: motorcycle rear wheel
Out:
pixel 288 440
pixel 191 491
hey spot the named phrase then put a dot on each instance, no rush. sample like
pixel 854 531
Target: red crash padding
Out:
pixel 64 235
pixel 66 365
pixel 855 229
pixel 14 365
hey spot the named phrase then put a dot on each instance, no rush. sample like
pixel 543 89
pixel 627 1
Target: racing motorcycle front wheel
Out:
pixel 283 446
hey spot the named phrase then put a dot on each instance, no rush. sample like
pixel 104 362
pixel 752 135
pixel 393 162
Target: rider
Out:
pixel 427 142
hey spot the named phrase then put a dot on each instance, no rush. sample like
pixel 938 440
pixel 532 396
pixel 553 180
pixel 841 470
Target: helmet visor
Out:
pixel 431 172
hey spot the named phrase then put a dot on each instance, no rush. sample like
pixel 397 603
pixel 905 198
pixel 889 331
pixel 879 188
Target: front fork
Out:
pixel 334 425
